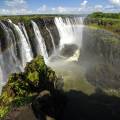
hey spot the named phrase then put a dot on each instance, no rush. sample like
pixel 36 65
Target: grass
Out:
pixel 3 111
pixel 110 22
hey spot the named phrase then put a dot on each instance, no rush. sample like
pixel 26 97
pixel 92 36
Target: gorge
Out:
pixel 18 49
pixel 25 39
pixel 85 58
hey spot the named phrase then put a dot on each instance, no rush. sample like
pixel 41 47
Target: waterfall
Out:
pixel 22 26
pixel 70 30
pixel 41 43
pixel 53 43
pixel 26 52
pixel 8 56
pixel 16 49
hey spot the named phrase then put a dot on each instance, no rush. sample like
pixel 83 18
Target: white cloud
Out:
pixel 15 12
pixel 61 9
pixel 53 9
pixel 15 3
pixel 83 6
pixel 4 11
pixel 43 8
pixel 115 2
pixel 21 7
pixel 15 7
pixel 109 7
pixel 77 10
pixel 84 3
pixel 98 8
pixel 64 10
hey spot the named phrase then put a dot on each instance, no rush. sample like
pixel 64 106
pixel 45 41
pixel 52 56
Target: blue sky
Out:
pixel 58 6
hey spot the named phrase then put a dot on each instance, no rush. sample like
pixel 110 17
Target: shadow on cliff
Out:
pixel 75 105
pixel 97 106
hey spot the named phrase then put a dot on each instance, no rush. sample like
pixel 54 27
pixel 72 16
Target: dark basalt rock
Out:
pixel 100 55
pixel 68 50
pixel 49 105
pixel 43 106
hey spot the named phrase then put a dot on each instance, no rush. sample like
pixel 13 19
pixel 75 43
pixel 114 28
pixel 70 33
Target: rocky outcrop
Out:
pixel 49 105
pixel 69 50
pixel 37 85
pixel 22 113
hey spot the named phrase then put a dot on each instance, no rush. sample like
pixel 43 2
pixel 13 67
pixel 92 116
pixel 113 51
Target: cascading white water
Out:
pixel 22 26
pixel 8 57
pixel 41 43
pixel 53 43
pixel 70 30
pixel 26 52
pixel 9 43
pixel 71 33
pixel 19 50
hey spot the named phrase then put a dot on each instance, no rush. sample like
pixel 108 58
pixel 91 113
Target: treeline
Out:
pixel 24 18
pixel 108 21
pixel 105 15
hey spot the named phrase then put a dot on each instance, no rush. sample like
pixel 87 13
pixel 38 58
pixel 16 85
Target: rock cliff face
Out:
pixel 38 86
pixel 46 25
pixel 100 56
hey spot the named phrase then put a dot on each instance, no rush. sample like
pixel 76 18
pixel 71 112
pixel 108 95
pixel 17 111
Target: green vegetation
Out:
pixel 24 18
pixel 105 15
pixel 22 88
pixel 108 21
pixel 27 18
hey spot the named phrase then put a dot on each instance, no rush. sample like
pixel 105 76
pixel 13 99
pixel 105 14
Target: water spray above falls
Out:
pixel 70 30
